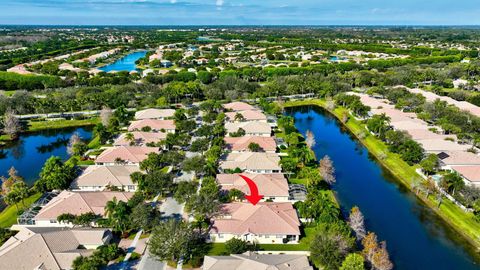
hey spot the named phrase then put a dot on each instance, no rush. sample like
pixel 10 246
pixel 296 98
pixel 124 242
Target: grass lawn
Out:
pixel 8 216
pixel 219 248
pixel 43 125
pixel 5 138
pixel 461 221
pixel 94 143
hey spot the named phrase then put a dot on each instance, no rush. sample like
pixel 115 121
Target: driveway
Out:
pixel 170 208
pixel 149 263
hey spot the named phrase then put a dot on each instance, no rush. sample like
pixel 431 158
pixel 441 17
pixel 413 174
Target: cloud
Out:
pixel 219 3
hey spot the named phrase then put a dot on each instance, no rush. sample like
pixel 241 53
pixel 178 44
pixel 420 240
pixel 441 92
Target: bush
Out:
pixel 236 246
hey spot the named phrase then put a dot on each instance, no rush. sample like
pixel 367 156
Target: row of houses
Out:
pixel 452 155
pixel 51 244
pixel 273 220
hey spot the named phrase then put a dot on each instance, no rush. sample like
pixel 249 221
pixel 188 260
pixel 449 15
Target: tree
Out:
pixel 129 137
pixel 381 259
pixel 236 246
pixel 411 152
pixel 118 214
pixel 144 216
pixel 452 181
pixel 353 261
pixel 327 171
pixel 330 246
pixel 194 164
pixel 13 178
pixel 429 164
pixel 239 117
pixel 370 246
pixel 310 140
pixel 56 174
pixel 357 223
pixel 74 140
pixel 171 240
pixel 254 147
pixel 11 124
pixel 105 115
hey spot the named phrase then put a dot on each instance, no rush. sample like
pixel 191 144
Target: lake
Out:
pixel 30 152
pixel 126 63
pixel 416 237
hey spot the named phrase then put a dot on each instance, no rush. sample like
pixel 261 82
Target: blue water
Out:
pixel 416 238
pixel 31 151
pixel 126 63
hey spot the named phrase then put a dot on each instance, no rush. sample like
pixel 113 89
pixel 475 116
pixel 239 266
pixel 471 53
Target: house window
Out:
pixel 279 236
pixel 53 221
pixel 220 236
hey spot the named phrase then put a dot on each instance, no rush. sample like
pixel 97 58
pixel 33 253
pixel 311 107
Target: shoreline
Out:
pixel 447 209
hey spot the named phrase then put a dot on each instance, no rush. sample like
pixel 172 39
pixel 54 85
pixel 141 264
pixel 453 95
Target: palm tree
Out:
pixel 129 137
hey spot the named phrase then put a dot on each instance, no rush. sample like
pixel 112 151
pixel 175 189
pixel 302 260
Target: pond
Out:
pixel 126 63
pixel 30 152
pixel 416 237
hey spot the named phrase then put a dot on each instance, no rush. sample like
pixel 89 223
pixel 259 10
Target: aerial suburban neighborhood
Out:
pixel 239 135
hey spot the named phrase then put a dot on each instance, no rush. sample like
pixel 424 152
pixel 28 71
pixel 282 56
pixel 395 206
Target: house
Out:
pixel 159 114
pixel 125 155
pixel 264 223
pixel 272 186
pixel 252 128
pixel 252 162
pixel 76 203
pixel 99 178
pixel 245 116
pixel 154 125
pixel 440 145
pixel 457 158
pixel 255 261
pixel 50 248
pixel 140 138
pixel 470 174
pixel 238 106
pixel 240 144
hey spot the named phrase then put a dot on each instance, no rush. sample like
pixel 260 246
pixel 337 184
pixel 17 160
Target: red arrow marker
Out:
pixel 254 197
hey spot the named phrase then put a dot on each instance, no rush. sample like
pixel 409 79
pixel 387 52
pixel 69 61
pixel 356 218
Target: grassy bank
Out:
pixel 461 221
pixel 8 216
pixel 34 126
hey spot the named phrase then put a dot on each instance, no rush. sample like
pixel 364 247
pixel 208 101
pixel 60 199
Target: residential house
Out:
pixel 125 155
pixel 470 174
pixel 238 106
pixel 273 187
pixel 264 223
pixel 140 138
pixel 159 114
pixel 100 178
pixel 255 261
pixel 50 248
pixel 154 125
pixel 246 116
pixel 240 144
pixel 252 162
pixel 76 203
pixel 252 128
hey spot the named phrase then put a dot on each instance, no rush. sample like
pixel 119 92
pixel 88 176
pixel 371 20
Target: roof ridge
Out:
pixel 49 250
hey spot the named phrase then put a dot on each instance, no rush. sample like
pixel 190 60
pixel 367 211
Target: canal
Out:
pixel 30 152
pixel 126 63
pixel 416 238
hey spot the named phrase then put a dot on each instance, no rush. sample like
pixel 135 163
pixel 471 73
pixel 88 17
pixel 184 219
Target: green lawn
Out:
pixel 43 125
pixel 461 221
pixel 8 216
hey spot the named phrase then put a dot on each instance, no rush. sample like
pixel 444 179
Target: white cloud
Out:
pixel 219 3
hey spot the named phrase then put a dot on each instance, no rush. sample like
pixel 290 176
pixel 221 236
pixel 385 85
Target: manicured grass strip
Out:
pixel 56 124
pixel 8 216
pixel 460 220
